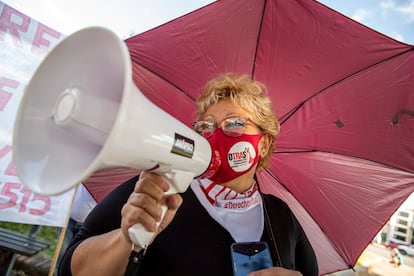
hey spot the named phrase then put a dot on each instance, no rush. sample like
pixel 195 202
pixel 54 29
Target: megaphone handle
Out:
pixel 141 236
pixel 179 182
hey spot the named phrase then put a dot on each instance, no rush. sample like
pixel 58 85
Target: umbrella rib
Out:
pixel 290 192
pixel 299 150
pixel 293 151
pixel 278 180
pixel 289 114
pixel 309 214
pixel 286 117
pixel 258 38
pixel 166 80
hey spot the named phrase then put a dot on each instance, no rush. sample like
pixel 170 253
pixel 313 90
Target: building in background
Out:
pixel 400 227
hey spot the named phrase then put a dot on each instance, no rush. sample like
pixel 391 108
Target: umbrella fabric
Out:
pixel 343 93
pixel 101 183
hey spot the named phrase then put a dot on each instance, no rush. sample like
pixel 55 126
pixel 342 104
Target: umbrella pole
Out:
pixel 57 251
pixel 61 238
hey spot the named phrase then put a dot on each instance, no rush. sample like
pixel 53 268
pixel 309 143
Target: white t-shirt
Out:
pixel 82 204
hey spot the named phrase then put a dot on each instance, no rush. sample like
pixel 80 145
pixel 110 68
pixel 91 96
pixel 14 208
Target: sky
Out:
pixel 394 18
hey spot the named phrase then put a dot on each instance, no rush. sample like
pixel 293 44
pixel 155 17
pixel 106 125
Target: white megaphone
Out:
pixel 82 113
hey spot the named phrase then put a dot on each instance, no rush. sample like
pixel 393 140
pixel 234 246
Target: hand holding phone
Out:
pixel 250 256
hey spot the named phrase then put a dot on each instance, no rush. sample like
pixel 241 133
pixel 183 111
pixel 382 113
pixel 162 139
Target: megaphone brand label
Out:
pixel 183 146
pixel 241 156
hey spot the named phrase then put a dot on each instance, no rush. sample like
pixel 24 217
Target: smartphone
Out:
pixel 250 256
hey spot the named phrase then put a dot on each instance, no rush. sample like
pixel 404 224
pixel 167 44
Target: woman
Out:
pixel 236 116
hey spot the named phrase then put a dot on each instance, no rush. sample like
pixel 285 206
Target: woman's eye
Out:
pixel 207 125
pixel 235 123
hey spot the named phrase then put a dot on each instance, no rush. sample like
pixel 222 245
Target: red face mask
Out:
pixel 232 156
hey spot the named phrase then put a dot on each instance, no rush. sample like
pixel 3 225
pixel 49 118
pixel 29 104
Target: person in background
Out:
pixel 235 115
pixel 396 257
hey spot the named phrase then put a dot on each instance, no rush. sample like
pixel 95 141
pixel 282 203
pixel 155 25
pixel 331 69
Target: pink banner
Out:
pixel 24 42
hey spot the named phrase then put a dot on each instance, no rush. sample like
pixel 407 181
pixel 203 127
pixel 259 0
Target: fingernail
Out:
pixel 165 186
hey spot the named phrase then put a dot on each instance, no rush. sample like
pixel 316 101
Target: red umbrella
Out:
pixel 343 93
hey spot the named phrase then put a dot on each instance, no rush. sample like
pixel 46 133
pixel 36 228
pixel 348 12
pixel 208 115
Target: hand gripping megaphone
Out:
pixel 82 113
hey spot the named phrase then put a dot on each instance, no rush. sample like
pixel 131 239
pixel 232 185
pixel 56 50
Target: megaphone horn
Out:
pixel 82 113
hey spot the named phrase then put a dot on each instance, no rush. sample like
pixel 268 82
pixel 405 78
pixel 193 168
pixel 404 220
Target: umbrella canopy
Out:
pixel 342 92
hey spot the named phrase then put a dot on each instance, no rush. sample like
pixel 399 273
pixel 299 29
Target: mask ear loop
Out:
pixel 273 243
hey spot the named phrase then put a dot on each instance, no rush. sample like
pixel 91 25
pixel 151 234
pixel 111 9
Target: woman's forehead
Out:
pixel 225 109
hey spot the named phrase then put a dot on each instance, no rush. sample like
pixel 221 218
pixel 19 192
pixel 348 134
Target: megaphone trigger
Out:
pixel 178 180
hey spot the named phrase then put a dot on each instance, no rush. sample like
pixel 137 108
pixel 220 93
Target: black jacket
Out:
pixel 194 243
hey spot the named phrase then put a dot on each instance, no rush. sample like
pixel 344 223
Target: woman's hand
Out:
pixel 275 271
pixel 144 204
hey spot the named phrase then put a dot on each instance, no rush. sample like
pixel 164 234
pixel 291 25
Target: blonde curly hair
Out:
pixel 247 93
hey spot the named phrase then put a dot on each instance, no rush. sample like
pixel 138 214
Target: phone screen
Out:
pixel 250 256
